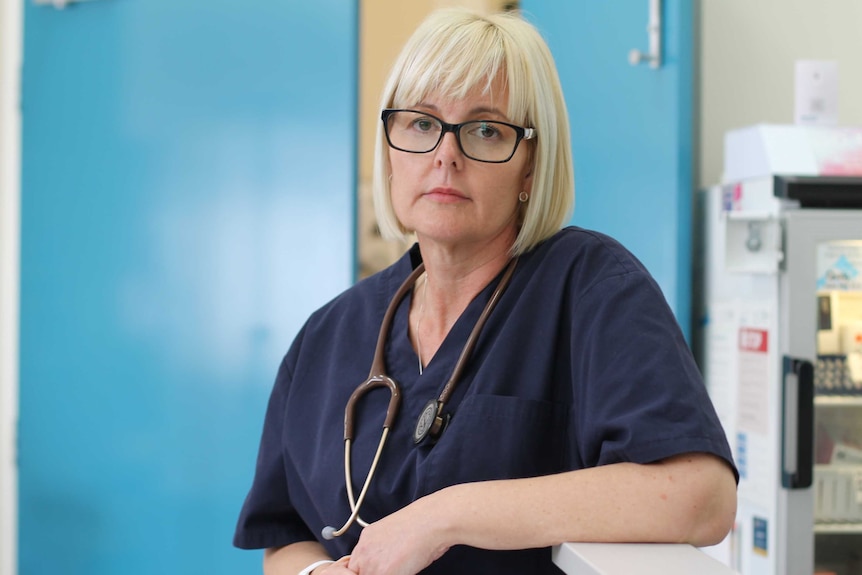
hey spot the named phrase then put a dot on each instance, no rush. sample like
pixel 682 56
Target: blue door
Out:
pixel 631 128
pixel 188 172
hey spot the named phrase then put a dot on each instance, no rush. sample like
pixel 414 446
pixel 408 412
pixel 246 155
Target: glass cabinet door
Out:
pixel 838 410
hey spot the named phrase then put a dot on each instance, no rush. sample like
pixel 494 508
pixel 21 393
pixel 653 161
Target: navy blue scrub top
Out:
pixel 582 363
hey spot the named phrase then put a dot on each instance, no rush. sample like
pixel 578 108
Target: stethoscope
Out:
pixel 432 420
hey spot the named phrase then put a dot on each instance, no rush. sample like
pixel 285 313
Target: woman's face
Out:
pixel 452 200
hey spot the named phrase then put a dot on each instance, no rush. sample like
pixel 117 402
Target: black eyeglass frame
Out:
pixel 521 133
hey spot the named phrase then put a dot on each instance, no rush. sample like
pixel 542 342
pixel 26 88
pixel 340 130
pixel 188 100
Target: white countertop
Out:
pixel 636 559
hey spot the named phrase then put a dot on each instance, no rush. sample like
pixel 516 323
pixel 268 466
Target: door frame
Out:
pixel 11 47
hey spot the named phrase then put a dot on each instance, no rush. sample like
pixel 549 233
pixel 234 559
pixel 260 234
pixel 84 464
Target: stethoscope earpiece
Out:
pixel 328 533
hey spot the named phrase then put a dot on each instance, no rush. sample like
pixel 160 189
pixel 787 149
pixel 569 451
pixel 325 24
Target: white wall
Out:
pixel 10 59
pixel 747 54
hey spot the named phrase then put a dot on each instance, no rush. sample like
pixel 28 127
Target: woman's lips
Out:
pixel 445 195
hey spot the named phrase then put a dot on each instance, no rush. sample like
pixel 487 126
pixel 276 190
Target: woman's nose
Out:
pixel 448 151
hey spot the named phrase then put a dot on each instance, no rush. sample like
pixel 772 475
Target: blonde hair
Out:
pixel 454 51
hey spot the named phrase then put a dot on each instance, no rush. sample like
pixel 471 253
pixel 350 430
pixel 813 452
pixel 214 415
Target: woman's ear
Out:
pixel 531 161
pixel 528 177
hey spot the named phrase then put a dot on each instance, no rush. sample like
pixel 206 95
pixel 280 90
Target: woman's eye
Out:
pixel 486 131
pixel 423 125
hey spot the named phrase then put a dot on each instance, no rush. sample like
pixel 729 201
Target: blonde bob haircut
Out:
pixel 455 51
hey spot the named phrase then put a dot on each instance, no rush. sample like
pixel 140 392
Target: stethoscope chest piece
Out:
pixel 430 422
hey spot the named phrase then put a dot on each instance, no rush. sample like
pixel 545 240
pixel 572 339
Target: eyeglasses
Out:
pixel 481 140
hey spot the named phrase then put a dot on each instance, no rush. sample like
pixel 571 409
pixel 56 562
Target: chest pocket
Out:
pixel 498 437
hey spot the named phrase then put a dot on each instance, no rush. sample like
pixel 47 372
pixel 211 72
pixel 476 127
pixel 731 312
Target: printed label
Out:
pixel 753 339
pixel 753 398
pixel 839 265
pixel 760 536
pixel 742 455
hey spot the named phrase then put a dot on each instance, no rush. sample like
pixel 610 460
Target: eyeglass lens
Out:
pixel 482 140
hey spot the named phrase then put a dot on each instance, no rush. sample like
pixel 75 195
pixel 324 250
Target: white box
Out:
pixel 791 150
pixel 816 93
pixel 837 493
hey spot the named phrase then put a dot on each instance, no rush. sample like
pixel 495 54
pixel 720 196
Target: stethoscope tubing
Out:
pixel 377 378
pixel 354 503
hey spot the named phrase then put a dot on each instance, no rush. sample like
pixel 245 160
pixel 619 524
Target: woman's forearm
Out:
pixel 687 499
pixel 291 559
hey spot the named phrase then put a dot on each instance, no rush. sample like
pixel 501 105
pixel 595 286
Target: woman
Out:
pixel 577 413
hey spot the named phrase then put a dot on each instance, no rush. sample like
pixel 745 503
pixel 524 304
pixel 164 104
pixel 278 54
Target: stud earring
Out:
pixel 523 197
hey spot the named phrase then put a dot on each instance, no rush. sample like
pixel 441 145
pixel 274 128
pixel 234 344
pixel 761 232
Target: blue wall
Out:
pixel 187 198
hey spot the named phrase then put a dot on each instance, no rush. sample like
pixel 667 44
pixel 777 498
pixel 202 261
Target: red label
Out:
pixel 753 339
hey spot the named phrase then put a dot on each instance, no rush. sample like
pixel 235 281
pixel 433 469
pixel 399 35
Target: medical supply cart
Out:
pixel 778 284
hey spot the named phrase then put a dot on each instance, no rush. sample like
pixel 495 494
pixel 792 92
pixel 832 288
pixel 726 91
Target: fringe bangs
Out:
pixel 451 66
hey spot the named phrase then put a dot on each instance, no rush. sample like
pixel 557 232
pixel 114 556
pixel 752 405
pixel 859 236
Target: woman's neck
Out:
pixel 444 292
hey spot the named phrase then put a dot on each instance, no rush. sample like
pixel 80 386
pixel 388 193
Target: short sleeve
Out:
pixel 268 518
pixel 642 397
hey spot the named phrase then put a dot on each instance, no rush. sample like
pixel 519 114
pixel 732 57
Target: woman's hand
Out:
pixel 403 543
pixel 337 568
